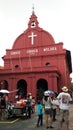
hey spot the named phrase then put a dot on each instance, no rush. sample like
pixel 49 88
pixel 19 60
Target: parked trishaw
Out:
pixel 18 108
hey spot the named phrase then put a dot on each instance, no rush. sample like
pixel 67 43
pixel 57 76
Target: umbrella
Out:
pixel 49 92
pixel 4 91
pixel 14 91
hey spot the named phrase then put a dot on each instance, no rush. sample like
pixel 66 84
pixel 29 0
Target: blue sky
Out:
pixel 54 16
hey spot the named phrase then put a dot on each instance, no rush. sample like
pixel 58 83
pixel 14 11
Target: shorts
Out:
pixel 48 111
pixel 64 114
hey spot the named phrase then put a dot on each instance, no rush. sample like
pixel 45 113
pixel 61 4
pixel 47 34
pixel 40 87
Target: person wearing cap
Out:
pixel 64 99
pixel 48 110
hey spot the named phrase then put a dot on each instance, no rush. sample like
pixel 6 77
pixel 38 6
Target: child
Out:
pixel 40 114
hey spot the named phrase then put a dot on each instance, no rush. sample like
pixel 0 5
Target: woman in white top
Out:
pixel 48 110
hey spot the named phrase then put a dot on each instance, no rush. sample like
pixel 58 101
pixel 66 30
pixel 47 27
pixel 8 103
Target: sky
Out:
pixel 54 16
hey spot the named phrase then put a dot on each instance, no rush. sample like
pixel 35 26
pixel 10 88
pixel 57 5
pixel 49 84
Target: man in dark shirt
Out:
pixel 28 104
pixel 3 107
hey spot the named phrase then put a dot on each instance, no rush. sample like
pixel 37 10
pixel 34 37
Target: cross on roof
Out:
pixel 32 37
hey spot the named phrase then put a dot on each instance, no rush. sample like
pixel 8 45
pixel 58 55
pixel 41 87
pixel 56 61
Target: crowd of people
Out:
pixel 49 107
pixel 60 104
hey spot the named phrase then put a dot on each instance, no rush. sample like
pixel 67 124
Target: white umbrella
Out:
pixel 4 91
pixel 49 92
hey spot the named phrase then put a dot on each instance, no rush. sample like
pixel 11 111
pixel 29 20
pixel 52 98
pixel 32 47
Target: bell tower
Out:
pixel 33 23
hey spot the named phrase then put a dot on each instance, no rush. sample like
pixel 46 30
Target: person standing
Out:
pixel 0 108
pixel 64 99
pixel 48 110
pixel 54 107
pixel 28 105
pixel 40 114
pixel 6 98
pixel 3 107
pixel 33 104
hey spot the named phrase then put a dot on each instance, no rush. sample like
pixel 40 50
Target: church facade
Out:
pixel 35 62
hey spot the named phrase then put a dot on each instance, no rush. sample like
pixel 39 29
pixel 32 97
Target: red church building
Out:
pixel 35 62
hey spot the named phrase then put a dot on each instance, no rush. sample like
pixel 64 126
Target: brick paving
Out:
pixel 30 124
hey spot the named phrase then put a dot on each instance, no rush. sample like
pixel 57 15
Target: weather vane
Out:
pixel 33 9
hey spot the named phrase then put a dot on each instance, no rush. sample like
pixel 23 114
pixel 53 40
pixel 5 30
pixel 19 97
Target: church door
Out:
pixel 42 85
pixel 22 88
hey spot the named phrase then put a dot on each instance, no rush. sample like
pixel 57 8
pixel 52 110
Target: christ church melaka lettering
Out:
pixel 50 49
pixel 32 51
pixel 15 52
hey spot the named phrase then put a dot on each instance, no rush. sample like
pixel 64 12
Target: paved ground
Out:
pixel 30 124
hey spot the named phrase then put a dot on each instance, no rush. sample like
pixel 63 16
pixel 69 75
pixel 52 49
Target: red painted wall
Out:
pixel 35 56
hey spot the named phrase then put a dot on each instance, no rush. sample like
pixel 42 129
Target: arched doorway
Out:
pixel 4 84
pixel 42 85
pixel 22 88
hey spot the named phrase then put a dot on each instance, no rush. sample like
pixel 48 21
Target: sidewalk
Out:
pixel 55 124
pixel 30 124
